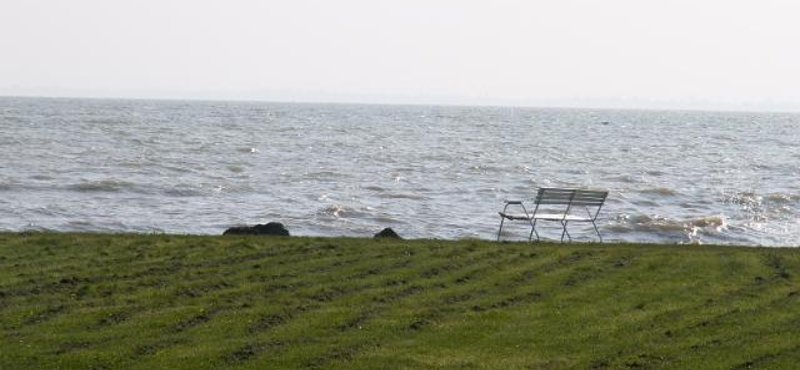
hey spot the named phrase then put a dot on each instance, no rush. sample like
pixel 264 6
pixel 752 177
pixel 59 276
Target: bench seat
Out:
pixel 544 216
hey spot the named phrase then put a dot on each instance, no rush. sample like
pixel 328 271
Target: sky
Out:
pixel 616 53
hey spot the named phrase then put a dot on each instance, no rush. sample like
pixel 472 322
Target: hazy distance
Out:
pixel 625 54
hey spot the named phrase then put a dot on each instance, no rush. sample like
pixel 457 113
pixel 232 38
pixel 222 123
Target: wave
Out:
pixel 42 177
pixel 744 198
pixel 400 195
pixel 486 169
pixel 386 219
pixel 622 178
pixel 342 211
pixel 656 224
pixel 374 188
pixel 765 206
pixel 106 186
pixel 173 168
pixel 51 210
pixel 667 192
pixel 782 198
pixel 35 228
pixel 335 210
pixel 324 175
pixel 182 191
pixel 122 186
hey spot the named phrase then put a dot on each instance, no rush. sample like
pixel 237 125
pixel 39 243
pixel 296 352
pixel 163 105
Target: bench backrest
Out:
pixel 570 197
pixel 589 198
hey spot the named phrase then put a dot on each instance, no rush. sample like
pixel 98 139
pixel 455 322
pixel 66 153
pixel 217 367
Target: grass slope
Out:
pixel 85 301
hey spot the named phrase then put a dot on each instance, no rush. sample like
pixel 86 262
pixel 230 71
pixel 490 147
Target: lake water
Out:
pixel 425 171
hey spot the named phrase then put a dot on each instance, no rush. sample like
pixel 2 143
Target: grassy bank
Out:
pixel 89 301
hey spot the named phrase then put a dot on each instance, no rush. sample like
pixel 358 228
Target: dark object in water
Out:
pixel 387 233
pixel 605 123
pixel 272 228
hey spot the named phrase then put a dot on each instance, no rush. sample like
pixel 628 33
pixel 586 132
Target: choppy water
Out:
pixel 427 172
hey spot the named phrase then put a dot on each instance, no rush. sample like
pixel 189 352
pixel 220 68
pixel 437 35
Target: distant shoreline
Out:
pixel 722 109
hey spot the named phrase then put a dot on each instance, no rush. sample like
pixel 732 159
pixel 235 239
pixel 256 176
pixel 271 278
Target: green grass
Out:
pixel 94 301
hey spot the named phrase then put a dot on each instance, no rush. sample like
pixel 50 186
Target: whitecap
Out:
pixel 782 198
pixel 745 198
pixel 716 222
pixel 645 223
pixel 335 210
pixel 342 211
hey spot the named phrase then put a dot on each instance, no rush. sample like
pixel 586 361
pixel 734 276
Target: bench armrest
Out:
pixel 515 203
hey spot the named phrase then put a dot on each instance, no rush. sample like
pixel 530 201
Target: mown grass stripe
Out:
pixel 188 302
pixel 383 300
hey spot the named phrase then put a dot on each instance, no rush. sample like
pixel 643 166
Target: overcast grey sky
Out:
pixel 692 54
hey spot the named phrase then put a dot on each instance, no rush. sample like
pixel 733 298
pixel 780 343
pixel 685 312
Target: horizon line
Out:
pixel 602 103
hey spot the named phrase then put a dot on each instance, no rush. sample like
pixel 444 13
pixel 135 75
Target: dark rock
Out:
pixel 419 324
pixel 387 233
pixel 272 228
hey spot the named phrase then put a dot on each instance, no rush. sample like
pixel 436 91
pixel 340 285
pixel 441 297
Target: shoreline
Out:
pixel 548 242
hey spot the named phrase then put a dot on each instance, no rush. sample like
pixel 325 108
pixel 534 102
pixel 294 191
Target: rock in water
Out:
pixel 272 228
pixel 387 233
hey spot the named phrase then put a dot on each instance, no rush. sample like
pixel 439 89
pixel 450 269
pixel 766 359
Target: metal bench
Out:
pixel 561 205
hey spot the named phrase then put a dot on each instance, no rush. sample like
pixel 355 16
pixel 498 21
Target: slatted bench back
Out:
pixel 589 198
pixel 570 197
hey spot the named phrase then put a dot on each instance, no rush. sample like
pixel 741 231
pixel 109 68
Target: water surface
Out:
pixel 426 171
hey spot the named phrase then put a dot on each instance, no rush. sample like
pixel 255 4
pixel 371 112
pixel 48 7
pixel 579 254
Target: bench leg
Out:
pixel 533 231
pixel 597 231
pixel 565 232
pixel 501 227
